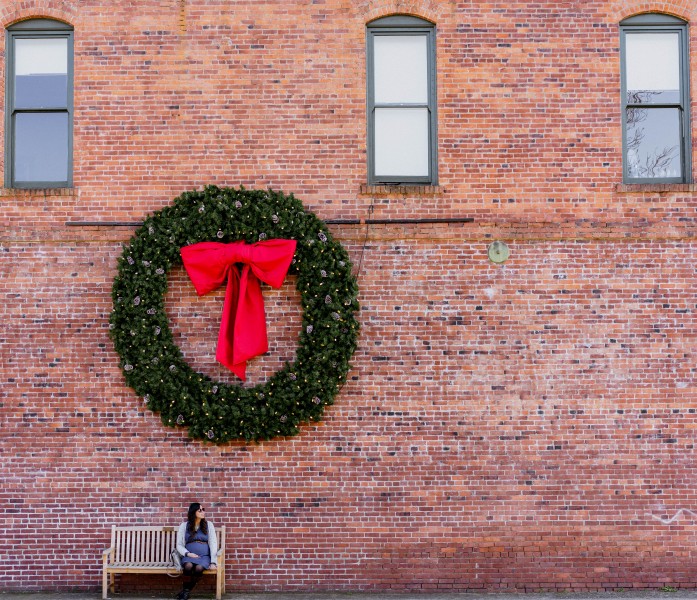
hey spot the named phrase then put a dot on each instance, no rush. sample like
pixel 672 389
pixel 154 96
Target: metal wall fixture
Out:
pixel 498 252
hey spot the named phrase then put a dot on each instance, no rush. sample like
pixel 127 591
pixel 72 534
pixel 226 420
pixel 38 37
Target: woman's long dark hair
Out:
pixel 191 521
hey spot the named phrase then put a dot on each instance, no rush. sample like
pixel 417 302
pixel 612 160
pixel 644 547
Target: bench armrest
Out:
pixel 106 553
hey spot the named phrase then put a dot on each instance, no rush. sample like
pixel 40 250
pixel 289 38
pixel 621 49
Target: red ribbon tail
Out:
pixel 243 326
pixel 225 353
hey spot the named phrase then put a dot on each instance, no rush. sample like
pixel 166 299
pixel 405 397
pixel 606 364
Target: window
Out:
pixel 655 99
pixel 401 101
pixel 39 105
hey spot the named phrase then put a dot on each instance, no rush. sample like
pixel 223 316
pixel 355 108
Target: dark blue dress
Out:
pixel 198 544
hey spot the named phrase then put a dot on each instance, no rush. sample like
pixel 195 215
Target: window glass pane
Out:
pixel 41 73
pixel 401 68
pixel 653 67
pixel 41 147
pixel 401 142
pixel 653 142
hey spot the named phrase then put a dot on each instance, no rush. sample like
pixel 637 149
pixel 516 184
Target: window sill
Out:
pixel 33 192
pixel 401 190
pixel 5 191
pixel 628 188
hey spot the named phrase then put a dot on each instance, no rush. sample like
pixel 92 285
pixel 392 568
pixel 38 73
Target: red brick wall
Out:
pixel 521 426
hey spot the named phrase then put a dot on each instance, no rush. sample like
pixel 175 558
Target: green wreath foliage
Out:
pixel 154 366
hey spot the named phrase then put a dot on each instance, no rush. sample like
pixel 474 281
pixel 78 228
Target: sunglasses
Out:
pixel 201 509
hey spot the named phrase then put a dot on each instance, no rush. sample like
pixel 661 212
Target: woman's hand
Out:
pixel 193 555
pixel 213 567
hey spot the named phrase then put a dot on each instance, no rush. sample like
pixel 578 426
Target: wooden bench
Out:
pixel 147 550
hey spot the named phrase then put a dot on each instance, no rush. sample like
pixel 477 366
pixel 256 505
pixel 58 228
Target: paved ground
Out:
pixel 619 595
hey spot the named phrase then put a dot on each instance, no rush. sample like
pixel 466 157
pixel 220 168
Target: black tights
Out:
pixel 195 572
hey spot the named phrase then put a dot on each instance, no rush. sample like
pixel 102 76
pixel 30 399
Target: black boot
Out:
pixel 184 594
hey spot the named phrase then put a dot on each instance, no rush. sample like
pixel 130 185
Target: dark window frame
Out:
pixel 402 25
pixel 659 23
pixel 36 29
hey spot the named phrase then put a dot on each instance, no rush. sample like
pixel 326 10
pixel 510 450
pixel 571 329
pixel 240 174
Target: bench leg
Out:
pixel 104 584
pixel 219 583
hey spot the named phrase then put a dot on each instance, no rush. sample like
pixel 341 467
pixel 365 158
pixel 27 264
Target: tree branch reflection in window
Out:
pixel 653 137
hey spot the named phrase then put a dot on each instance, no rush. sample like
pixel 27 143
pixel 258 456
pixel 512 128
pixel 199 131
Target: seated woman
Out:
pixel 198 546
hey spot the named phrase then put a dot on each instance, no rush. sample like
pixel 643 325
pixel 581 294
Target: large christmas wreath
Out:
pixel 154 366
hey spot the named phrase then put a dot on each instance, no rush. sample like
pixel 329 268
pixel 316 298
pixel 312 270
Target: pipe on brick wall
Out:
pixel 424 221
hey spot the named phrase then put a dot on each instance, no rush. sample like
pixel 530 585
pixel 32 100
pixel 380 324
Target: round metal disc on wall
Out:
pixel 498 252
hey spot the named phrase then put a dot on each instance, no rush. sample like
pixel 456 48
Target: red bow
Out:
pixel 243 325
